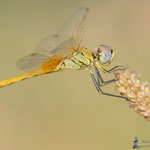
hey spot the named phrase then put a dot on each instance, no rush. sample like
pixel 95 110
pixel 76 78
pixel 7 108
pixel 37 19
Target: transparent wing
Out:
pixel 72 31
pixel 31 62
pixel 47 45
pixel 43 52
pixel 69 36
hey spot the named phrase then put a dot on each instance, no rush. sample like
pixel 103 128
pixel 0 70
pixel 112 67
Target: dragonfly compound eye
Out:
pixel 107 54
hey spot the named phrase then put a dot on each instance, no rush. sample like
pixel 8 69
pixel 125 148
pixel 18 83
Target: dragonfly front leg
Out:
pixel 100 90
pixel 116 68
pixel 100 79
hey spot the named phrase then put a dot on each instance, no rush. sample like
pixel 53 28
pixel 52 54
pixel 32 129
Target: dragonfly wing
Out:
pixel 42 53
pixel 72 30
pixel 47 45
pixel 31 62
pixel 69 36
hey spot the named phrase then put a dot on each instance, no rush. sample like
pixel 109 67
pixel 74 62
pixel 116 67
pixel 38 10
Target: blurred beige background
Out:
pixel 63 111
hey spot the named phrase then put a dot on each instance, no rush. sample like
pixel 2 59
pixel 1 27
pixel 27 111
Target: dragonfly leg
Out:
pixel 100 90
pixel 116 68
pixel 100 79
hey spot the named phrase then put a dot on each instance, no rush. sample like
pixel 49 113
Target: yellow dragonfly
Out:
pixel 63 51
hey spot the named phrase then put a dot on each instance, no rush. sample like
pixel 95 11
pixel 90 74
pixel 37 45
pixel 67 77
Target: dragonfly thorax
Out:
pixel 105 54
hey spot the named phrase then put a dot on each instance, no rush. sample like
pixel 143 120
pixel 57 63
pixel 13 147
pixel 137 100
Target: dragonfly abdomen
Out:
pixel 20 77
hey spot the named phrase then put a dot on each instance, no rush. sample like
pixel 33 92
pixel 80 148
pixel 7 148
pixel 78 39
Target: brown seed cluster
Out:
pixel 129 84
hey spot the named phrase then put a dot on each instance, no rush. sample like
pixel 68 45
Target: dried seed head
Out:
pixel 129 84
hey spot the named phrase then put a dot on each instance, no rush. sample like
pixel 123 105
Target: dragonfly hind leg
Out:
pixel 100 90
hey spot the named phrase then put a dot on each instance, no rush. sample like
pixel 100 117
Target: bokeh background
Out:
pixel 63 111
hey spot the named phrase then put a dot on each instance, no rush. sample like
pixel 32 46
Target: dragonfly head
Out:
pixel 105 54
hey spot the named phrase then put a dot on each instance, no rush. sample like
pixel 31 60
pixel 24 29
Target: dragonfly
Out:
pixel 56 53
